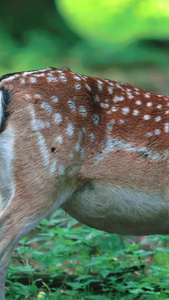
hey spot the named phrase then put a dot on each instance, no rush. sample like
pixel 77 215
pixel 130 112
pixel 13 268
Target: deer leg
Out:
pixel 16 221
pixel 6 248
pixel 3 272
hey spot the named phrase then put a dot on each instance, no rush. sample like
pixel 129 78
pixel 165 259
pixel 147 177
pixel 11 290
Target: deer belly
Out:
pixel 120 210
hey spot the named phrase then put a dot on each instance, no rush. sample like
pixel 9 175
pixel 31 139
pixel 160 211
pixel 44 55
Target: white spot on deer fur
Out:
pixel 70 129
pixel 72 105
pixel 49 74
pixel 22 81
pixel 55 79
pixel 125 110
pixel 149 134
pixel 157 131
pixel 129 94
pixel 63 78
pixel 166 127
pixel 138 102
pixel 59 139
pixel 61 170
pixel 78 86
pixel 114 108
pixel 149 104
pixel 96 119
pixel 146 117
pixel 121 121
pixel 84 129
pixel 118 99
pixel 84 77
pixel 80 134
pixel 109 82
pixel 26 73
pixel 77 147
pixel 83 110
pixel 93 137
pixel 77 77
pixel 40 75
pixel 104 105
pixel 157 119
pixel 110 124
pixel 38 125
pixel 46 107
pixel 52 79
pixel 38 96
pixel 41 140
pixel 55 99
pixel 9 78
pixel 147 95
pixel 121 86
pixel 110 90
pixel 159 106
pixel 35 72
pixel 88 87
pixel 53 167
pixel 96 98
pixel 100 85
pixel 166 112
pixel 135 112
pixel 32 79
pixel 44 151
pixel 58 118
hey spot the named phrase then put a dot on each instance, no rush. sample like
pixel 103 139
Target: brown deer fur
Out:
pixel 96 147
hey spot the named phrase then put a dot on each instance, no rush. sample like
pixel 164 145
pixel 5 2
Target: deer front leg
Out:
pixel 3 272
pixel 6 248
pixel 17 220
pixel 2 282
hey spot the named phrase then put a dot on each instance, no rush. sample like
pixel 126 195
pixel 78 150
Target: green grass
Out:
pixel 63 259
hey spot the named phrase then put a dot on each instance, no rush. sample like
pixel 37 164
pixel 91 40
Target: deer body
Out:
pixel 97 148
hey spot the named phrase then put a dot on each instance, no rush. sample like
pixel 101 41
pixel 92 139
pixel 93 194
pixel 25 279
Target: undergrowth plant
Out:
pixel 62 259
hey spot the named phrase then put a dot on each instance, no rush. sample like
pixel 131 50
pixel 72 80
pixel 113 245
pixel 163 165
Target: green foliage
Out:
pixel 116 31
pixel 117 21
pixel 64 260
pixel 87 36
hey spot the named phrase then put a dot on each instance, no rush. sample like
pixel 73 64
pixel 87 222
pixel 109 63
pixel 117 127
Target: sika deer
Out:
pixel 98 148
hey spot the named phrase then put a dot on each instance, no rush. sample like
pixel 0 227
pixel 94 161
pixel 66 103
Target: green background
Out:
pixel 126 40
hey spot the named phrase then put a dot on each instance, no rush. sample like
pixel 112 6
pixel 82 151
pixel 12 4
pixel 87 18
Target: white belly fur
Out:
pixel 120 210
